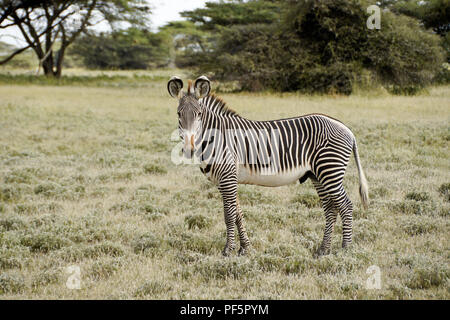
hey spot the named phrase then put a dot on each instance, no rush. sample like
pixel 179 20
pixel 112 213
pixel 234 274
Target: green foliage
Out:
pixel 188 40
pixel 152 288
pixel 314 46
pixel 418 196
pixel 104 268
pixel 309 200
pixel 405 57
pixel 444 190
pixel 434 14
pixel 197 221
pixel 124 49
pixel 154 169
pixel 429 276
pixel 215 15
pixel 101 80
pixel 10 283
pixel 65 21
pixel 146 242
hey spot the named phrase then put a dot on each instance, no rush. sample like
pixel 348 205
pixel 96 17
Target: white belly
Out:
pixel 270 179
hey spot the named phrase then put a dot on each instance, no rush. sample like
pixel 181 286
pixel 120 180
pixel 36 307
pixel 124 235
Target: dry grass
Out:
pixel 86 179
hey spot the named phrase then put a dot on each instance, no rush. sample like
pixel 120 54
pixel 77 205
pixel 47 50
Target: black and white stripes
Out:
pixel 233 150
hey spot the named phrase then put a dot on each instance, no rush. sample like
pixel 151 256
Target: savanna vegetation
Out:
pixel 86 177
pixel 86 180
pixel 256 45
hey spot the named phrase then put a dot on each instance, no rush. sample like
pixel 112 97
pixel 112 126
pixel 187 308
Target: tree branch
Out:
pixel 14 54
pixel 83 24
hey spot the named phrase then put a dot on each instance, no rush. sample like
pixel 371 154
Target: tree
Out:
pixel 209 30
pixel 46 25
pixel 187 41
pixel 434 14
pixel 317 46
pixel 235 12
pixel 131 48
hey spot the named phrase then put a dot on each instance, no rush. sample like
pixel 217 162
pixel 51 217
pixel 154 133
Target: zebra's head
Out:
pixel 189 109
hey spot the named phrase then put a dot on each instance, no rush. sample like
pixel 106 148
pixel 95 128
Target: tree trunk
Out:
pixel 47 66
pixel 59 60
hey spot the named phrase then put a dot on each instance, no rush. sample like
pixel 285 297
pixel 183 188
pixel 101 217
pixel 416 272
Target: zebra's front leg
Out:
pixel 243 238
pixel 228 189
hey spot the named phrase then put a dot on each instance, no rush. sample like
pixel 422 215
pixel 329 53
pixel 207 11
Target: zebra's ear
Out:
pixel 202 87
pixel 174 86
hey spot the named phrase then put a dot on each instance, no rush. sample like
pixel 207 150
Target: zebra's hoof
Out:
pixel 346 245
pixel 321 252
pixel 243 251
pixel 227 251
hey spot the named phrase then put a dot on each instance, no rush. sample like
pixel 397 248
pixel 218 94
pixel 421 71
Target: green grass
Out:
pixel 86 180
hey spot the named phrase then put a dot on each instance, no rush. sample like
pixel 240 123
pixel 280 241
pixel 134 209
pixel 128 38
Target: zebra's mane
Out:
pixel 216 105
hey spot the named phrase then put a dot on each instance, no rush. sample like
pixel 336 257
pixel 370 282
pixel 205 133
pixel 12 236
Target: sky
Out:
pixel 168 10
pixel 163 11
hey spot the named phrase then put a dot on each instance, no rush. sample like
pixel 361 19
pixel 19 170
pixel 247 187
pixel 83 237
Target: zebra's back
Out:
pixel 279 152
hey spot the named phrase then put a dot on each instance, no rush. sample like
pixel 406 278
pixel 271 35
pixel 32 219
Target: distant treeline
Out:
pixel 307 46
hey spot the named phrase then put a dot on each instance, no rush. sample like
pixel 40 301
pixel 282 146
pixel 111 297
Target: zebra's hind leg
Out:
pixel 346 212
pixel 345 208
pixel 243 238
pixel 330 218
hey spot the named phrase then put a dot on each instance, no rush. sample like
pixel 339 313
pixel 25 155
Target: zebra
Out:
pixel 233 150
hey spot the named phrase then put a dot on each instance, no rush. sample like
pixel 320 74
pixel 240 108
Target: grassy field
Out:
pixel 86 180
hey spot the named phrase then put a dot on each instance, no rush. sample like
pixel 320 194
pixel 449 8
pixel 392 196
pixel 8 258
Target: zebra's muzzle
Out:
pixel 188 149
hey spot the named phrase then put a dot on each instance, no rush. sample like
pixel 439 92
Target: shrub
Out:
pixel 197 221
pixel 308 200
pixel 104 268
pixel 125 49
pixel 426 278
pixel 44 241
pixel 16 257
pixel 444 190
pixel 146 242
pixel 317 46
pixel 414 207
pixel 418 196
pixel 105 248
pixel 12 223
pixel 154 169
pixel 418 227
pixel 152 288
pixel 45 278
pixel 10 283
pixel 234 268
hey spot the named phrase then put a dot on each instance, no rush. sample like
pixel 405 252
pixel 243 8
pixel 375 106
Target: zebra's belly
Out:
pixel 270 179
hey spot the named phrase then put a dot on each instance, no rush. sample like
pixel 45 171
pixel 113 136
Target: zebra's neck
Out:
pixel 217 106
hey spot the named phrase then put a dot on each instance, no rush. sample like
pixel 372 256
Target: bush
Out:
pixel 308 200
pixel 233 268
pixel 320 46
pixel 146 242
pixel 124 49
pixel 104 268
pixel 444 190
pixel 154 169
pixel 44 241
pixel 197 221
pixel 151 289
pixel 426 278
pixel 11 283
pixel 418 196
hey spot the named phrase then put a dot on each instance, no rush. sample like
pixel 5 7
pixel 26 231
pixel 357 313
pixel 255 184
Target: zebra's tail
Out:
pixel 363 186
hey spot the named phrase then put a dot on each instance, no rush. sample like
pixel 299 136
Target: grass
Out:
pixel 86 179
